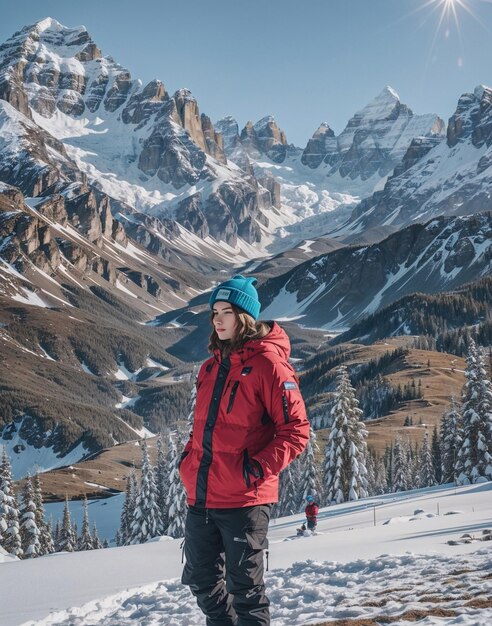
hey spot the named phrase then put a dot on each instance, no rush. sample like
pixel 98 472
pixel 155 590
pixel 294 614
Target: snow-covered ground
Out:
pixel 353 569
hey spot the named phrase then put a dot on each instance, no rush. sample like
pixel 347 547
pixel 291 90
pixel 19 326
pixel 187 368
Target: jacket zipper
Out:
pixel 285 406
pixel 232 396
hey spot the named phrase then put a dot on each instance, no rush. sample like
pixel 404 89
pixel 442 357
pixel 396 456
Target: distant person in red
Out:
pixel 311 513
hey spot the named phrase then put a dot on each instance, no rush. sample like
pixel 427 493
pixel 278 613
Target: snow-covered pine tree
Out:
pixel 85 540
pixel 345 452
pixel 67 539
pixel 162 484
pixel 46 539
pixel 410 464
pixel 309 478
pixel 29 531
pixel 9 510
pixel 51 544
pixel 371 472
pixel 176 500
pixel 388 464
pixel 399 477
pixel 475 453
pixel 381 476
pixel 57 535
pixel 96 542
pixel 145 523
pixel 128 510
pixel 427 477
pixel 451 436
pixel 436 455
pixel 288 497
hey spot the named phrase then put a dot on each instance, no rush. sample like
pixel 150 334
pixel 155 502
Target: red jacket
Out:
pixel 312 512
pixel 252 412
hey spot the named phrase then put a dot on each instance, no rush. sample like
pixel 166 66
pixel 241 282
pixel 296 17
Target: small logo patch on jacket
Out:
pixel 290 384
pixel 245 371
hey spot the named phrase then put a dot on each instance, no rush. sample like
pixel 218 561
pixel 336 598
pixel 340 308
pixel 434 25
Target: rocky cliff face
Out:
pixel 48 69
pixel 264 138
pixel 439 177
pixel 337 289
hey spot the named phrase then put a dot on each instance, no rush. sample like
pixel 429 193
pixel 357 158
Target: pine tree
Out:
pixel 46 539
pixel 51 543
pixel 381 476
pixel 436 455
pixel 9 510
pixel 96 542
pixel 288 501
pixel 128 510
pixel 57 536
pixel 309 479
pixel 427 477
pixel 145 523
pixel 85 540
pixel 388 463
pixel 399 477
pixel 162 484
pixel 451 436
pixel 345 470
pixel 29 531
pixel 67 539
pixel 475 453
pixel 176 501
pixel 410 464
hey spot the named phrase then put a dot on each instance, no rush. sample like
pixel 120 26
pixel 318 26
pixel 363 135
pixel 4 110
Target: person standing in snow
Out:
pixel 311 513
pixel 249 424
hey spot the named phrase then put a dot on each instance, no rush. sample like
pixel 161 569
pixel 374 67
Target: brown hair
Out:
pixel 247 328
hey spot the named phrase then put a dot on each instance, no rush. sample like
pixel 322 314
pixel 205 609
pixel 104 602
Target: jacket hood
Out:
pixel 276 341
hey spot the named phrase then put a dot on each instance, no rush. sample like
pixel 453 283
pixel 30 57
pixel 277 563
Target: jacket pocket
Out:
pixel 232 396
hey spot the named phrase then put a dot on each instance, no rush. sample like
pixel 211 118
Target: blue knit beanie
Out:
pixel 239 291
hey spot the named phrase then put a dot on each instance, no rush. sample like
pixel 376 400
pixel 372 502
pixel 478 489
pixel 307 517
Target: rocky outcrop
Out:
pixel 141 106
pixel 322 145
pixel 270 183
pixel 233 148
pixel 213 140
pixel 439 177
pixel 170 154
pixel 472 119
pixel 264 137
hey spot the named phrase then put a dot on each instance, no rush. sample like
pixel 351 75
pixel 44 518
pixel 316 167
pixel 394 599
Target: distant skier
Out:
pixel 311 513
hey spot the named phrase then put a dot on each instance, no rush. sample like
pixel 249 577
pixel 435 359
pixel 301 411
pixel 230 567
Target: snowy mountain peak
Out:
pixel 384 106
pixel 51 31
pixel 324 129
pixel 482 91
pixel 264 121
pixel 183 95
pixel 48 23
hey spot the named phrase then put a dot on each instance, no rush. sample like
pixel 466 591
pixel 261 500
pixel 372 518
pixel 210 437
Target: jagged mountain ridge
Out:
pixel 451 177
pixel 335 290
pixel 321 184
pixel 168 156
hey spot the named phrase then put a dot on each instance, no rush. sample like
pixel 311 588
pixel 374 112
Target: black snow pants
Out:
pixel 224 564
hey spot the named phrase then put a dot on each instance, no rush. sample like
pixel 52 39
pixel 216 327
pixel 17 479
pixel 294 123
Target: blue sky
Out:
pixel 302 61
